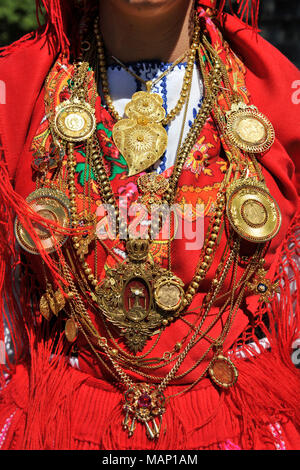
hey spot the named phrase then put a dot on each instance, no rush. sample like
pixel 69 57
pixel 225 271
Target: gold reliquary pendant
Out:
pixel 138 296
pixel 252 212
pixel 145 404
pixel 141 138
pixel 74 120
pixel 248 129
pixel 52 205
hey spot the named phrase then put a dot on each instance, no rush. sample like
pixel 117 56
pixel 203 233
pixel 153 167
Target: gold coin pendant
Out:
pixel 250 130
pixel 52 205
pixel 74 121
pixel 253 213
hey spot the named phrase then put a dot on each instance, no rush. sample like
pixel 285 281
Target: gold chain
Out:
pixel 185 87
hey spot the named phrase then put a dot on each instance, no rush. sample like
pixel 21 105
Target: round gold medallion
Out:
pixel 252 212
pixel 52 205
pixel 223 372
pixel 74 121
pixel 250 130
pixel 168 295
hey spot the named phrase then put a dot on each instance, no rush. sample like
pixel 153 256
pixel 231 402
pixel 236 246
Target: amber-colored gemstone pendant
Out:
pixel 141 139
pixel 223 372
pixel 71 330
pixel 252 212
pixel 144 404
pixel 249 129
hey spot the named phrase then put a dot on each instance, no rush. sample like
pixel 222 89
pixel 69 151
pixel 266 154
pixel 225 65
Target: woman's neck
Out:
pixel 139 30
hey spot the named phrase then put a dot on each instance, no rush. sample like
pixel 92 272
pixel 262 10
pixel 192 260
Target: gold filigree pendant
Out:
pixel 139 297
pixel 45 309
pixel 249 129
pixel 252 212
pixel 141 139
pixel 53 205
pixel 57 302
pixel 145 404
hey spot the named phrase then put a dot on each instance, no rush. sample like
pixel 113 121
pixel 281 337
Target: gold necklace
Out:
pixel 141 138
pixel 144 402
pixel 121 279
pixel 150 84
pixel 162 281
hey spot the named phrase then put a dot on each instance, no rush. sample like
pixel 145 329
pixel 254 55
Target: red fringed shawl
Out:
pixel 47 404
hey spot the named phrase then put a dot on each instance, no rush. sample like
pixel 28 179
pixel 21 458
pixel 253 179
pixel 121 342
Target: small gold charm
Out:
pixel 50 204
pixel 152 186
pixel 142 138
pixel 57 302
pixel 45 307
pixel 249 129
pixel 223 372
pixel 262 286
pixel 74 120
pixel 51 302
pixel 87 236
pixel 252 212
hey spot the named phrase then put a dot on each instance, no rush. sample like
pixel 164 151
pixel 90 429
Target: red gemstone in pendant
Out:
pixel 144 401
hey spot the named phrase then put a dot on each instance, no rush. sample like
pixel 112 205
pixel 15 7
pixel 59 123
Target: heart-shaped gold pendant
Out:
pixel 141 139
